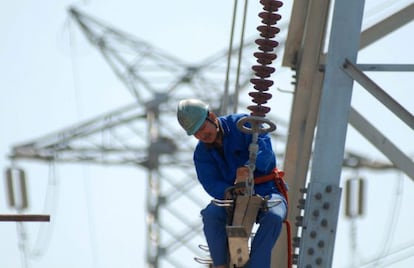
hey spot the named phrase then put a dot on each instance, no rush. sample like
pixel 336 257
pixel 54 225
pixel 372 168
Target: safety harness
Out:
pixel 278 177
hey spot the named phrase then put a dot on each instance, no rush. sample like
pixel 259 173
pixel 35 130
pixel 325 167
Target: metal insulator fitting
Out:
pixel 301 203
pixel 296 241
pixel 259 124
pixel 299 221
pixel 295 258
pixel 303 190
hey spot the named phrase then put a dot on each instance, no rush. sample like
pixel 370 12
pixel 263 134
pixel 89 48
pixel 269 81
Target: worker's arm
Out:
pixel 210 175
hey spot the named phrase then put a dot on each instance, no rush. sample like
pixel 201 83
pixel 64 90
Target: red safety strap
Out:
pixel 277 176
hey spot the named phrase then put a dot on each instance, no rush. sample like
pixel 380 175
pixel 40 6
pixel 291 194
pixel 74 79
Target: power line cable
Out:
pixel 386 260
pixel 392 221
pixel 387 6
pixel 224 108
pixel 91 223
pixel 86 179
pixel 237 85
pixel 50 207
pixel 21 237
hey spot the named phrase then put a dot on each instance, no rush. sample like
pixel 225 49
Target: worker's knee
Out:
pixel 279 209
pixel 213 214
pixel 273 216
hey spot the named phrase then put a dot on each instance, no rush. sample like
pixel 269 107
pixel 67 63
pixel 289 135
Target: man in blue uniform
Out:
pixel 221 158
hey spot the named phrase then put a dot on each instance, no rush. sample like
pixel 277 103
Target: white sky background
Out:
pixel 99 216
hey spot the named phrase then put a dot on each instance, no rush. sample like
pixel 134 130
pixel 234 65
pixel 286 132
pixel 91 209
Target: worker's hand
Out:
pixel 242 174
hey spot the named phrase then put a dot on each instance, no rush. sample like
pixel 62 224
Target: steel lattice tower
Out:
pixel 323 103
pixel 145 134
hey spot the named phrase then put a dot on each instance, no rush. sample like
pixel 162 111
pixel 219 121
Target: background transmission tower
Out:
pixel 145 133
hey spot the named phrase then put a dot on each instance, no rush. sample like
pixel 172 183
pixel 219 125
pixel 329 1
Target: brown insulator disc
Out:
pixel 260 97
pixel 271 5
pixel 264 58
pixel 258 110
pixel 268 31
pixel 269 18
pixel 261 84
pixel 263 71
pixel 266 45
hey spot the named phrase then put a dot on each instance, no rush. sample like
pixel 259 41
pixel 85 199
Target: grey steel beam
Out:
pixel 124 115
pixel 24 217
pixel 386 26
pixel 386 67
pixel 352 70
pixel 296 30
pixel 305 106
pixel 384 145
pixel 323 193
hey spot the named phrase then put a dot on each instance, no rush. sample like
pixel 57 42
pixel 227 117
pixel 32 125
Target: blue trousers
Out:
pixel 270 225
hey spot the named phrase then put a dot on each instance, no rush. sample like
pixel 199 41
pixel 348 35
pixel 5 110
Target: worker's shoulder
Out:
pixel 232 117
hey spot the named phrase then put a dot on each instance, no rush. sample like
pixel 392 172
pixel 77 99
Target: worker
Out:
pixel 221 160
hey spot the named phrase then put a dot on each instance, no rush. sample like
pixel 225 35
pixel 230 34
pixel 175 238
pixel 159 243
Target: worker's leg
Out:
pixel 214 220
pixel 266 235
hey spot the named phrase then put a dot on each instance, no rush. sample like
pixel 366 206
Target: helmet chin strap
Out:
pixel 218 137
pixel 214 123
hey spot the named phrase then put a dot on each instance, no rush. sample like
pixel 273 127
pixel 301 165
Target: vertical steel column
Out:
pixel 323 193
pixel 153 193
pixel 307 30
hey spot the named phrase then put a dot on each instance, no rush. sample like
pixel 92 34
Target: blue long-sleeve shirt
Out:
pixel 216 172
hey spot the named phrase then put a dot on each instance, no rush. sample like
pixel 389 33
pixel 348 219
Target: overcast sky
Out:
pixel 52 78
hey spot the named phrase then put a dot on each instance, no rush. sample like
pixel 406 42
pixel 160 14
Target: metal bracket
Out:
pixel 319 225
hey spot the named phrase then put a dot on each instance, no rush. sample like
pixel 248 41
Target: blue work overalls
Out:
pixel 216 171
